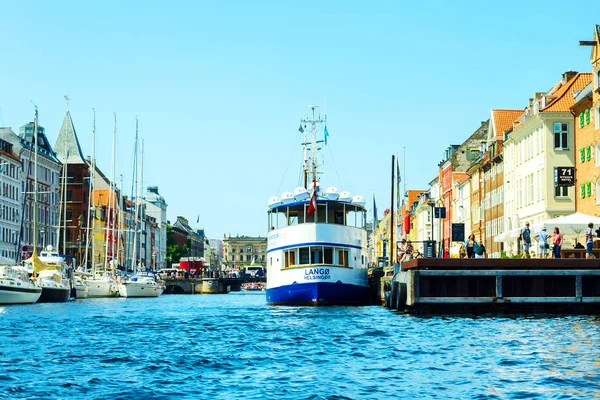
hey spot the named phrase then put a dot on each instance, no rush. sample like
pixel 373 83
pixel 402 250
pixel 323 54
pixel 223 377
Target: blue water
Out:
pixel 235 346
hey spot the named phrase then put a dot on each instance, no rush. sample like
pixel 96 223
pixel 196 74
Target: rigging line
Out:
pixel 331 162
pixel 294 147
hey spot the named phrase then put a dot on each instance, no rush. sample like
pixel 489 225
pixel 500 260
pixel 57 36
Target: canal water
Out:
pixel 235 346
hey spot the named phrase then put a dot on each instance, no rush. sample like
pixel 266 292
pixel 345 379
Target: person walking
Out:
pixel 470 246
pixel 542 238
pixel 526 239
pixel 589 240
pixel 557 240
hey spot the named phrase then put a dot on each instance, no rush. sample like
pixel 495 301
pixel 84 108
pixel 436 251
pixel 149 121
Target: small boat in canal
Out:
pixel 16 286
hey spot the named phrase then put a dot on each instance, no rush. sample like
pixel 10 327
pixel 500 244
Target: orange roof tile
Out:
pixel 503 120
pixel 564 95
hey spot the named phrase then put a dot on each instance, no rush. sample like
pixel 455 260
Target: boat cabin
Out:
pixel 328 212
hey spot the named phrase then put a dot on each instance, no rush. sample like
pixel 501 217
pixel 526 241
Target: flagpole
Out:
pixel 392 216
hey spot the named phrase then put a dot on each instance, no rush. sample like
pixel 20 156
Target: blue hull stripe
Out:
pixel 318 293
pixel 343 245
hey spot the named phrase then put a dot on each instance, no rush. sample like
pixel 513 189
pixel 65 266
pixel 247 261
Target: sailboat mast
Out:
pixel 392 243
pixel 65 182
pixel 119 222
pixel 90 233
pixel 35 189
pixel 110 195
pixel 141 193
pixel 63 174
pixel 134 192
pixel 113 216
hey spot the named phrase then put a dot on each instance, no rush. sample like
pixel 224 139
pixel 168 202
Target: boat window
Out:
pixel 328 255
pixel 290 258
pixel 293 218
pixel 338 217
pixel 304 255
pixel 342 257
pixel 316 255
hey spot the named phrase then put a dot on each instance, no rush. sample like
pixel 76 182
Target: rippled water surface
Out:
pixel 235 346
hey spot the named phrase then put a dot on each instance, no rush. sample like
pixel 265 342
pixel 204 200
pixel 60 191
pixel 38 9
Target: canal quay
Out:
pixel 431 285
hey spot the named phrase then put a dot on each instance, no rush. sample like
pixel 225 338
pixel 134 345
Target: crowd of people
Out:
pixel 545 243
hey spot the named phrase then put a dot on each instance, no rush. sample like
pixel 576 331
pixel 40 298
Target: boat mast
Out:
pixel 141 197
pixel 134 192
pixel 113 196
pixel 110 189
pixel 35 189
pixel 90 195
pixel 65 182
pixel 119 216
pixel 61 216
pixel 131 211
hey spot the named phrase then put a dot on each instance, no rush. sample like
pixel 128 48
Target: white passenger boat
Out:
pixel 316 253
pixel 141 284
pixel 16 287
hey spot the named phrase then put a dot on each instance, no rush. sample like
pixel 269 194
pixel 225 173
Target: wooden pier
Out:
pixel 496 285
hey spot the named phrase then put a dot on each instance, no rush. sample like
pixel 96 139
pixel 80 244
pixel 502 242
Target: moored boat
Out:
pixel 102 286
pixel 316 252
pixel 16 287
pixel 141 284
pixel 52 275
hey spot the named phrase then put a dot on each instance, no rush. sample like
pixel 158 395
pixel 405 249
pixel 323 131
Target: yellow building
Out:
pixel 587 136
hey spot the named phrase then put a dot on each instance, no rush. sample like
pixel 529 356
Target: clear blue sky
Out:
pixel 219 87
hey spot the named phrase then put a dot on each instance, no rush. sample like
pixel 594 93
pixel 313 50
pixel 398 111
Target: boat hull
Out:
pixel 134 289
pixel 98 289
pixel 54 295
pixel 81 292
pixel 318 293
pixel 19 295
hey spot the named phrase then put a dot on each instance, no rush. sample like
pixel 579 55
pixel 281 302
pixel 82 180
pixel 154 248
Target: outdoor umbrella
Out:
pixel 575 223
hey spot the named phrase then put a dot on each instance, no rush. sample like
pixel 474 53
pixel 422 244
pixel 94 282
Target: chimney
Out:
pixel 567 76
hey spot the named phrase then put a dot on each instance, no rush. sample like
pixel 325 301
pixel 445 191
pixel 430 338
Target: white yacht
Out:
pixel 142 284
pixel 103 285
pixel 16 287
pixel 317 243
pixel 81 287
pixel 51 274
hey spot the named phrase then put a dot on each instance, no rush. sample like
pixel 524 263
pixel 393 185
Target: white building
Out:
pixel 10 202
pixel 541 141
pixel 156 207
pixel 48 175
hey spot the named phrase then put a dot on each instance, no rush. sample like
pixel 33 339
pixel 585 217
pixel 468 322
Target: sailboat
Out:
pixel 101 284
pixel 141 283
pixel 49 269
pixel 16 286
pixel 316 247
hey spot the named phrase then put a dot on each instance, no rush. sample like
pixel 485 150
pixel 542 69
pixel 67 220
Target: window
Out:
pixel 69 195
pixel 248 249
pixel 598 191
pixel 597 153
pixel 561 135
pixel 69 215
pixel 561 191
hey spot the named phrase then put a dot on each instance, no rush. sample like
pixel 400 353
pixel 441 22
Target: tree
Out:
pixel 174 251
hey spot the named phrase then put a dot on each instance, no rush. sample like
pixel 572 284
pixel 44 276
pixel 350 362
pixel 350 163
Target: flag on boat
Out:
pixel 198 219
pixel 301 130
pixel 374 213
pixel 326 135
pixel 312 207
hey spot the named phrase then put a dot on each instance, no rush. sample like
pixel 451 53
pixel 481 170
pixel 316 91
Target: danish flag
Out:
pixel 313 200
